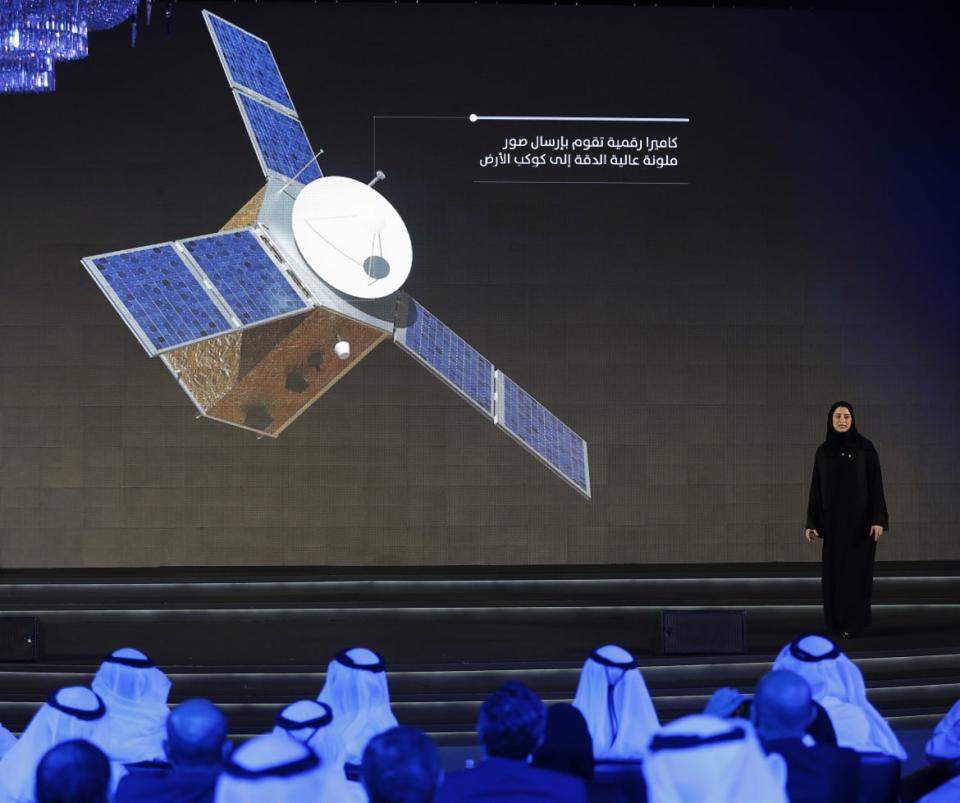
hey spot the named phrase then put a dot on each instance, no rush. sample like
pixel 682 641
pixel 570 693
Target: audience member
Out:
pixel 356 690
pixel 944 747
pixel 315 745
pixel 311 723
pixel 782 709
pixel 948 792
pixel 705 759
pixel 614 700
pixel 837 684
pixel 135 694
pixel 196 744
pixel 400 766
pixel 71 713
pixel 510 728
pixel 7 740
pixel 74 771
pixel 568 748
pixel 273 768
pixel 726 702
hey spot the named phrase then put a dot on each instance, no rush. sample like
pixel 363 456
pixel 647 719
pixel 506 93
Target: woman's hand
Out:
pixel 811 535
pixel 876 531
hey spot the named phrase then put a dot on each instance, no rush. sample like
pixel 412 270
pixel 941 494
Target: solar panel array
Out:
pixel 169 301
pixel 542 433
pixel 248 61
pixel 161 295
pixel 471 375
pixel 272 122
pixel 280 141
pixel 448 355
pixel 243 273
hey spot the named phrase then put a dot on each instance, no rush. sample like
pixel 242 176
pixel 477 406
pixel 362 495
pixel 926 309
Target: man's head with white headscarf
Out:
pixel 135 693
pixel 705 759
pixel 272 767
pixel 357 692
pixel 303 720
pixel 311 722
pixel 613 698
pixel 837 684
pixel 71 713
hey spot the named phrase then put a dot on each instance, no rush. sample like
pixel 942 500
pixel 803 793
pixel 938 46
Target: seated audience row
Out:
pixel 809 724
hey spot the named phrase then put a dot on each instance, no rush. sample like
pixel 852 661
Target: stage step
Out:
pixel 253 641
pixel 564 632
pixel 376 593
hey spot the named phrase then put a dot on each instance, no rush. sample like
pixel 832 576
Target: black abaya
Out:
pixel 846 499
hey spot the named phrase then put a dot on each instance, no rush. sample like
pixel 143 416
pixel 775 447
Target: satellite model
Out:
pixel 260 319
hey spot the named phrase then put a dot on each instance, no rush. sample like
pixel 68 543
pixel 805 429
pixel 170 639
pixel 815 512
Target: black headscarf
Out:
pixel 567 746
pixel 842 441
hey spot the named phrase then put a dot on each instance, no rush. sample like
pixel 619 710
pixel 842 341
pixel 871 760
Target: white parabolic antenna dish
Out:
pixel 351 237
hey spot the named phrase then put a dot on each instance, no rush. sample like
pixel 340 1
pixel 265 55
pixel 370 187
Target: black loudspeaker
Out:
pixel 19 638
pixel 703 632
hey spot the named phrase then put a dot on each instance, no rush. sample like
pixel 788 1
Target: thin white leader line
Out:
pixel 491 181
pixel 477 117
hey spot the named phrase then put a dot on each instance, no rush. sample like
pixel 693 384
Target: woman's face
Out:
pixel 842 420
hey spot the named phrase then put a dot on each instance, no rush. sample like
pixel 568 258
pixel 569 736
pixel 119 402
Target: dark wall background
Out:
pixel 694 335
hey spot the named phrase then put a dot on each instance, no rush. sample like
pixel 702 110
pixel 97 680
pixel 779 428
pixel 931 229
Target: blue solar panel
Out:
pixel 245 276
pixel 280 140
pixel 249 62
pixel 543 433
pixel 160 293
pixel 454 360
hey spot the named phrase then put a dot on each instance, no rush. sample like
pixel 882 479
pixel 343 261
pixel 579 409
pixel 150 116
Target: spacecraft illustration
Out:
pixel 260 319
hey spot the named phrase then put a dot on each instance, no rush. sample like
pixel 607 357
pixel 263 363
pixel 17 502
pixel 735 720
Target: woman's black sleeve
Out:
pixel 814 504
pixel 878 503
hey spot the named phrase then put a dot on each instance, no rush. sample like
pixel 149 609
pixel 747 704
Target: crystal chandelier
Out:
pixel 34 34
pixel 104 14
pixel 26 73
pixel 53 28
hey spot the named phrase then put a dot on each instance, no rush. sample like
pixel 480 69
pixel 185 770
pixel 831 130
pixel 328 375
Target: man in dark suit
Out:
pixel 195 744
pixel 510 727
pixel 400 766
pixel 73 770
pixel 819 773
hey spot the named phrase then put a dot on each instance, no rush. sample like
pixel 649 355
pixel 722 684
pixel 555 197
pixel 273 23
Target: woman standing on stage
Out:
pixel 847 510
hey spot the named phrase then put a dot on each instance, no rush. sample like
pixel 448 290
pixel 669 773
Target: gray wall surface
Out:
pixel 695 335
